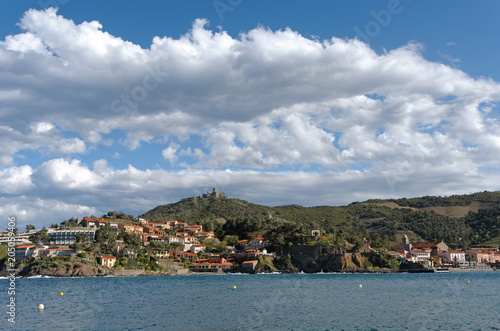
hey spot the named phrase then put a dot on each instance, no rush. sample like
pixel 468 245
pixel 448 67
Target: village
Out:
pixel 186 245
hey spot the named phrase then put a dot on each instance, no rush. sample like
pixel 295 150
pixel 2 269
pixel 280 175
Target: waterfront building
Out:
pixel 108 261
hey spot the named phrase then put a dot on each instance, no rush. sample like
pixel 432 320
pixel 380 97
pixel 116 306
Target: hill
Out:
pixel 459 220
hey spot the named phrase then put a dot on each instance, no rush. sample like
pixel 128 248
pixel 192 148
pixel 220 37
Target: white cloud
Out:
pixel 262 101
pixel 60 189
pixel 170 153
pixel 71 145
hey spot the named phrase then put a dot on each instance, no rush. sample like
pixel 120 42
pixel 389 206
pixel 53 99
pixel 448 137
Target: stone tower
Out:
pixel 406 243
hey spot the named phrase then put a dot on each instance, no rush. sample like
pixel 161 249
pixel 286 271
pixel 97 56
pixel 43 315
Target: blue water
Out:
pixel 260 302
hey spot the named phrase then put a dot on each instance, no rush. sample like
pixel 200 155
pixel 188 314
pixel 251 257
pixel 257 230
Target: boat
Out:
pixel 441 270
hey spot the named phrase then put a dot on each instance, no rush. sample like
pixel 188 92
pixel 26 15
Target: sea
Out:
pixel 452 301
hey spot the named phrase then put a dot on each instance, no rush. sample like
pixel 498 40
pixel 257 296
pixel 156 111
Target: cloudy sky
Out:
pixel 126 105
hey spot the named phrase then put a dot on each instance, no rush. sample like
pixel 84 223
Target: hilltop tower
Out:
pixel 214 194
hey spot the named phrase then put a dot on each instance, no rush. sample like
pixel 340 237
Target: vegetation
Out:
pixel 381 222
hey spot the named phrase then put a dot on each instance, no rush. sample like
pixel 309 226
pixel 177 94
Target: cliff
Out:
pixel 75 269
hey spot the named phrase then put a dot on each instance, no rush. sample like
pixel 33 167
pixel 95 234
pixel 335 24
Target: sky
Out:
pixel 126 105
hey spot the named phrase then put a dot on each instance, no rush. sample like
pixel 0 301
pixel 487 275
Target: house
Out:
pixel 25 252
pixel 88 222
pixel 421 255
pixel 481 256
pixel 258 242
pixel 159 225
pixel 191 240
pixel 189 256
pixel 141 221
pixel 197 248
pixel 153 230
pixel 99 223
pixel 174 239
pixel 193 228
pixel 162 254
pixel 53 252
pixel 253 253
pixel 126 227
pixel 138 229
pixel 125 251
pixel 452 256
pixel 205 235
pixel 179 227
pixel 249 265
pixel 242 244
pixel 171 224
pixel 108 261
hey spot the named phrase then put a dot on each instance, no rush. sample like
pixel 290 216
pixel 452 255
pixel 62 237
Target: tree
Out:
pixel 54 226
pixel 231 240
pixel 106 239
pixel 40 237
pixel 30 227
pixel 82 238
pixel 132 240
pixel 177 247
pixel 469 259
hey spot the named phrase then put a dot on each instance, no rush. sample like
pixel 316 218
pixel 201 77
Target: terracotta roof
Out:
pixel 426 244
pixel 250 261
pixel 25 246
pixel 108 257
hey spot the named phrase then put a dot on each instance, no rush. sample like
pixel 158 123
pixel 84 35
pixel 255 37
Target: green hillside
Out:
pixel 385 220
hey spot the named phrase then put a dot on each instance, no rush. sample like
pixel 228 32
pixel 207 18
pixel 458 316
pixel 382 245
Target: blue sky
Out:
pixel 121 105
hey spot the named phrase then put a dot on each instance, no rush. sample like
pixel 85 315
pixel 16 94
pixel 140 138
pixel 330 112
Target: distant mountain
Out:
pixel 459 220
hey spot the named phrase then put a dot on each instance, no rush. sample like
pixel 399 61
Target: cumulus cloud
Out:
pixel 285 112
pixel 60 189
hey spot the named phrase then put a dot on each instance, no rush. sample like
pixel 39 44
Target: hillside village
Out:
pixel 178 247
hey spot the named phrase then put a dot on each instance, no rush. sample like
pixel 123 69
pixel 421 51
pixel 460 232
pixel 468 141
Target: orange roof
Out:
pixel 25 246
pixel 108 257
pixel 250 261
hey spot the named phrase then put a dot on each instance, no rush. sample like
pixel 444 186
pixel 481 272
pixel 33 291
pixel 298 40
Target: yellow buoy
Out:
pixel 61 294
pixel 468 282
pixel 360 286
pixel 41 306
pixel 234 287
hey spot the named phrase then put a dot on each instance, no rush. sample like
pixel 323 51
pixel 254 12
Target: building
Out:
pixel 452 256
pixel 193 228
pixel 214 194
pixel 211 267
pixel 25 252
pixel 481 256
pixel 258 242
pixel 249 265
pixel 187 255
pixel 141 221
pixel 126 227
pixel 205 235
pixel 125 251
pixel 434 246
pixel 421 255
pixel 108 261
pixel 173 239
pixel 53 252
pixel 68 236
pixel 197 248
